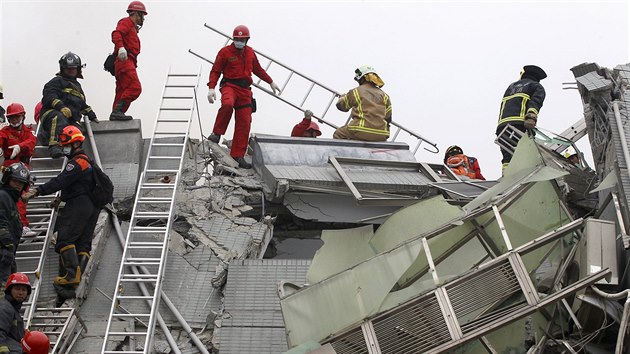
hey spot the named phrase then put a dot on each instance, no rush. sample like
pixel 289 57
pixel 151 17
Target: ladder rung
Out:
pixel 162 171
pixel 37 172
pixel 145 244
pixel 168 144
pixel 26 258
pixel 177 134
pixel 139 276
pixel 173 109
pixel 153 213
pixel 165 158
pixel 131 314
pixel 181 86
pixel 155 200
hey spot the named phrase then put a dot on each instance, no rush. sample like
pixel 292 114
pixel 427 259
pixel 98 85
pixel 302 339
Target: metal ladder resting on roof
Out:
pixel 146 247
pixel 32 251
pixel 313 84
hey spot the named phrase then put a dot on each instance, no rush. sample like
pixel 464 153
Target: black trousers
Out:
pixel 75 224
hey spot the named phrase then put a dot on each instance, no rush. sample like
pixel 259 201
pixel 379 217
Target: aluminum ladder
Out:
pixel 146 246
pixel 32 251
pixel 329 94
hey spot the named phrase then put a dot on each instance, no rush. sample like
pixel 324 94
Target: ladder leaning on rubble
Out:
pixel 319 114
pixel 32 252
pixel 146 245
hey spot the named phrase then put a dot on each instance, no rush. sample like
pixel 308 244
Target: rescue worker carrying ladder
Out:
pixel 520 106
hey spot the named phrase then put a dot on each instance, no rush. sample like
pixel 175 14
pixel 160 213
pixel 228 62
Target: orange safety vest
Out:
pixel 461 166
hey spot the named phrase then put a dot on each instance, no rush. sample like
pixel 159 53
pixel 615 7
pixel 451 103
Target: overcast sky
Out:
pixel 445 64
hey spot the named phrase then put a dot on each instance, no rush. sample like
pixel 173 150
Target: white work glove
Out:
pixel 16 150
pixel 274 88
pixel 212 95
pixel 122 53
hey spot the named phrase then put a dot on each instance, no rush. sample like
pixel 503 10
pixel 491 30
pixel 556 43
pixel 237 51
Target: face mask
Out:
pixel 66 150
pixel 16 126
pixel 239 45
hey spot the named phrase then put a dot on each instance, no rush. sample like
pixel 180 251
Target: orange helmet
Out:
pixel 14 109
pixel 137 6
pixel 15 279
pixel 240 31
pixel 70 134
pixel 35 342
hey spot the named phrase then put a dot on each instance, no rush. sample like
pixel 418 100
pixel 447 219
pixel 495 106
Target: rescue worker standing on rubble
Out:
pixel 520 106
pixel 77 219
pixel 63 102
pixel 371 108
pixel 17 290
pixel 462 164
pixel 306 128
pixel 236 62
pixel 15 179
pixel 17 144
pixel 127 49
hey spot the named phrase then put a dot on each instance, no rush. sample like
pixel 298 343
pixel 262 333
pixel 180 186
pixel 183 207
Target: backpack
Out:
pixel 108 65
pixel 103 191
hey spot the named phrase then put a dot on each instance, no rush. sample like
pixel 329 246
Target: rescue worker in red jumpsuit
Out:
pixel 17 290
pixel 17 144
pixel 35 342
pixel 236 63
pixel 63 102
pixel 77 219
pixel 2 111
pixel 306 128
pixel 520 106
pixel 127 49
pixel 462 164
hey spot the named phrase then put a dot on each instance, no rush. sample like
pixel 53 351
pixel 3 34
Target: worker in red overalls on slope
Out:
pixel 127 49
pixel 236 63
pixel 17 144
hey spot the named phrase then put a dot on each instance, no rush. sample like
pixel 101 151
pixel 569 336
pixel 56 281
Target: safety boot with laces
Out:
pixel 242 163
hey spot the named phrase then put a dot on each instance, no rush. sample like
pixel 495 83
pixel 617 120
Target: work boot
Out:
pixel 215 138
pixel 55 151
pixel 64 292
pixel 84 258
pixel 242 163
pixel 71 272
pixel 118 114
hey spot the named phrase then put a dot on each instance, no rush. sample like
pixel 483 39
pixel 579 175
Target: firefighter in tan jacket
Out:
pixel 371 108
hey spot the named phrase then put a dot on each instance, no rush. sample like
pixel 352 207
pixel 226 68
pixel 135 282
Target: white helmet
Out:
pixel 568 152
pixel 362 71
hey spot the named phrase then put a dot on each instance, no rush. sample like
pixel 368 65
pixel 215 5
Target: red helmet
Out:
pixel 70 134
pixel 35 342
pixel 314 127
pixel 137 6
pixel 38 111
pixel 240 31
pixel 15 279
pixel 14 109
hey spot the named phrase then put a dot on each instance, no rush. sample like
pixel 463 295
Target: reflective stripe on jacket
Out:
pixel 371 109
pixel 521 97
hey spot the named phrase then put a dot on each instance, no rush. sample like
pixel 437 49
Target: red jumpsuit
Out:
pixel 237 67
pixel 128 86
pixel 25 138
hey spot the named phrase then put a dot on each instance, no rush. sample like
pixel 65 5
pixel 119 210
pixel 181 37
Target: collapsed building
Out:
pixel 414 258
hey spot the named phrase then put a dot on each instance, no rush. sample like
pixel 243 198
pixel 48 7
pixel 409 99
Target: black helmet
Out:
pixel 451 151
pixel 17 171
pixel 70 60
pixel 533 72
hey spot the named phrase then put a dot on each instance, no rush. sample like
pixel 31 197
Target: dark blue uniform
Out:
pixel 77 220
pixel 11 325
pixel 10 231
pixel 58 93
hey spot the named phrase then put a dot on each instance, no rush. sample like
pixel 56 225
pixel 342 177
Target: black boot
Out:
pixel 84 259
pixel 242 163
pixel 72 272
pixel 118 114
pixel 215 138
